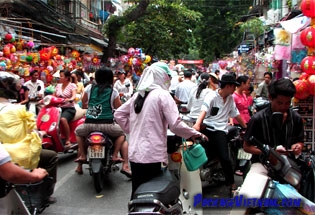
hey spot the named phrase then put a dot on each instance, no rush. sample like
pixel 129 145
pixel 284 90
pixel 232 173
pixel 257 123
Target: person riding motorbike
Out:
pixel 101 99
pixel 216 110
pixel 288 136
pixel 20 138
pixel 66 89
pixel 146 117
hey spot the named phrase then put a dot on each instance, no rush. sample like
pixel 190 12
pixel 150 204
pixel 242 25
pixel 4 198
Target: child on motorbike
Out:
pixel 101 99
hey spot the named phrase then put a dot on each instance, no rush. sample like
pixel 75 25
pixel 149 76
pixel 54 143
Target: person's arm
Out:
pixel 17 175
pixel 42 90
pixel 26 97
pixel 122 116
pixel 251 148
pixel 241 121
pixel 200 119
pixel 84 100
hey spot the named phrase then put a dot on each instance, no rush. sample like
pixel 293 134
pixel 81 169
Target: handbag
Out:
pixel 194 156
pixel 242 155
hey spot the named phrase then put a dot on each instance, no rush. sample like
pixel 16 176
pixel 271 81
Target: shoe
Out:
pixel 80 172
pixel 52 200
pixel 238 172
pixel 126 173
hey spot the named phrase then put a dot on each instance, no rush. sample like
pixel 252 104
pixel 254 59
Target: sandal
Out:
pixel 81 161
pixel 79 171
pixel 126 173
pixel 233 191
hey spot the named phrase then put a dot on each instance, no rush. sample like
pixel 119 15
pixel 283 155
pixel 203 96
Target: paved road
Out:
pixel 76 195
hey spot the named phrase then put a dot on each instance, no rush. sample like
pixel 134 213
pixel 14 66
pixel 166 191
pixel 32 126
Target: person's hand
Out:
pixel 39 174
pixel 201 136
pixel 296 148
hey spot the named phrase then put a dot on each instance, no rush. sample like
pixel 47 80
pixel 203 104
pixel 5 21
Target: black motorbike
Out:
pixel 161 195
pixel 212 172
pixel 100 150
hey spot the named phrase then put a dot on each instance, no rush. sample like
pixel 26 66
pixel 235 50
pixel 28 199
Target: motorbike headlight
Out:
pixel 47 100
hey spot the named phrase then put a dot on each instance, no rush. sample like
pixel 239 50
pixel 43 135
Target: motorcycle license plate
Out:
pixel 96 152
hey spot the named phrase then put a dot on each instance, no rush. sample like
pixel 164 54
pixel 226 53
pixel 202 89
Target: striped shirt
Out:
pixel 66 93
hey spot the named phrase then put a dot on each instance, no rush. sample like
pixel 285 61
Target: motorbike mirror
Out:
pixel 39 88
pixel 277 119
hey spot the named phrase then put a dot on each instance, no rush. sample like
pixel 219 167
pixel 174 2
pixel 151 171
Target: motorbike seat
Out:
pixel 165 188
pixel 79 113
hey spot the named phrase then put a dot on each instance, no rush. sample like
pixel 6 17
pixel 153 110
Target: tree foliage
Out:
pixel 179 28
pixel 254 26
pixel 164 30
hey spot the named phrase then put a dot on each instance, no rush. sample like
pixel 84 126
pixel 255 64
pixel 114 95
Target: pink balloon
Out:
pixel 131 51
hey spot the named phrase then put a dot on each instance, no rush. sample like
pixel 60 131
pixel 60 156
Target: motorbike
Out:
pixel 27 199
pixel 100 150
pixel 48 120
pixel 212 172
pixel 283 169
pixel 172 191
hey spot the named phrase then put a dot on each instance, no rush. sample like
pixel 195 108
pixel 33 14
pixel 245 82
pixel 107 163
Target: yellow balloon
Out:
pixel 147 59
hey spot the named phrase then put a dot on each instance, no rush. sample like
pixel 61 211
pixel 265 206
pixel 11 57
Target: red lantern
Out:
pixel 311 81
pixel 308 8
pixel 303 76
pixel 308 65
pixel 302 89
pixel 308 37
pixel 8 37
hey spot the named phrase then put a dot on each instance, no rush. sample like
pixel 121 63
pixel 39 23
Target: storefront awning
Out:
pixel 99 42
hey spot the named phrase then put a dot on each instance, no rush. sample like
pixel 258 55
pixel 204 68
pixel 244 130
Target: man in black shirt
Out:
pixel 289 133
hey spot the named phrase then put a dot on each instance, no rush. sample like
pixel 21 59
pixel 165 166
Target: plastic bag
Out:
pixel 17 135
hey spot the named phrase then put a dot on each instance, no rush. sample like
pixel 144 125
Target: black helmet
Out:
pixel 8 83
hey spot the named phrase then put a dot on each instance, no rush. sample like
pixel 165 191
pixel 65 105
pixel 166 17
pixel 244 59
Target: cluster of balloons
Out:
pixel 135 57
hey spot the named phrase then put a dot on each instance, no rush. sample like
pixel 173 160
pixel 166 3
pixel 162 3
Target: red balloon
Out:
pixel 308 65
pixel 308 8
pixel 307 37
pixel 311 81
pixel 302 89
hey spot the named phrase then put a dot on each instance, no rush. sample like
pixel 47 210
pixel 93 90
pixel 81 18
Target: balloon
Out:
pixel 131 51
pixel 124 58
pixel 147 59
pixel 30 44
pixel 142 57
pixel 222 64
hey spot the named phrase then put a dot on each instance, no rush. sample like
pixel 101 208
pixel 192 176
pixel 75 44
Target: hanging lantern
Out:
pixel 308 37
pixel 302 89
pixel 308 65
pixel 303 76
pixel 311 81
pixel 8 37
pixel 308 8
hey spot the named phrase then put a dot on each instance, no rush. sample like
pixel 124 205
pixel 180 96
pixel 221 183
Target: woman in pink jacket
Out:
pixel 146 117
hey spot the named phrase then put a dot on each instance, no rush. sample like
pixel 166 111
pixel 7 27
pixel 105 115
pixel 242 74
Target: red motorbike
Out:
pixel 48 120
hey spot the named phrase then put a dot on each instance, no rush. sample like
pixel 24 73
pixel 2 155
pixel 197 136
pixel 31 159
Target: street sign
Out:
pixel 243 48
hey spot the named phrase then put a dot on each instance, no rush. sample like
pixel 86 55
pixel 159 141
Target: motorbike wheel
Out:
pixel 98 179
